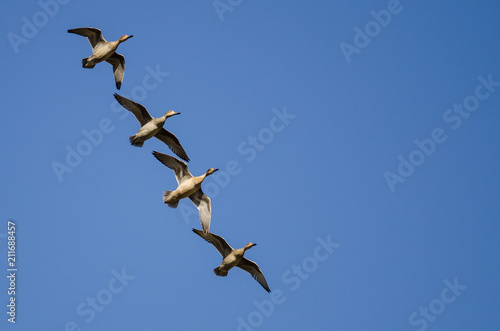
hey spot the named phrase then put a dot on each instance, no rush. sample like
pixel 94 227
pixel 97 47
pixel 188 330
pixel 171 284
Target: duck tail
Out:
pixel 134 141
pixel 171 204
pixel 85 63
pixel 219 272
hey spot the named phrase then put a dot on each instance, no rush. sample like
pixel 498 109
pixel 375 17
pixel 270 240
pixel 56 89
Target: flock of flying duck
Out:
pixel 189 186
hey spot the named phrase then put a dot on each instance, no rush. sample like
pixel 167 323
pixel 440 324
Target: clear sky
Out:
pixel 357 142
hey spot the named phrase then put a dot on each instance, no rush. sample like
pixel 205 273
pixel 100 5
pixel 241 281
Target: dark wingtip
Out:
pixel 156 155
pixel 198 232
pixel 118 85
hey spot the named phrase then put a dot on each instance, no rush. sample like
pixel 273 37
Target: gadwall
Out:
pixel 189 186
pixel 103 50
pixel 151 127
pixel 233 258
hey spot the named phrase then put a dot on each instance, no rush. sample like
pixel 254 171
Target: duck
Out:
pixel 233 258
pixel 151 127
pixel 189 186
pixel 103 50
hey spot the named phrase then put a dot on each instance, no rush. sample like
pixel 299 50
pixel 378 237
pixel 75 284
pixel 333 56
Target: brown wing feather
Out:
pixel 202 202
pixel 118 63
pixel 217 241
pixel 135 108
pixel 179 167
pixel 94 35
pixel 253 269
pixel 173 143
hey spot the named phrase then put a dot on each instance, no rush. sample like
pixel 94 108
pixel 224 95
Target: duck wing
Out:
pixel 253 269
pixel 173 143
pixel 94 35
pixel 179 167
pixel 137 109
pixel 217 241
pixel 118 63
pixel 202 202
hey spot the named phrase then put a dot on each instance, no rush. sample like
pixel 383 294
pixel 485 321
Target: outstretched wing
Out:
pixel 253 269
pixel 137 109
pixel 173 143
pixel 118 63
pixel 94 35
pixel 179 167
pixel 202 202
pixel 219 243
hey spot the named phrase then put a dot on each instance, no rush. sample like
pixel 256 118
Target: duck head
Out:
pixel 210 171
pixel 124 37
pixel 249 245
pixel 170 113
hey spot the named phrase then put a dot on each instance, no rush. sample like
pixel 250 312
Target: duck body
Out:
pixel 100 53
pixel 184 190
pixel 148 130
pixel 230 261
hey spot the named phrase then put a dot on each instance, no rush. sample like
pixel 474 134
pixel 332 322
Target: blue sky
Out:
pixel 358 146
